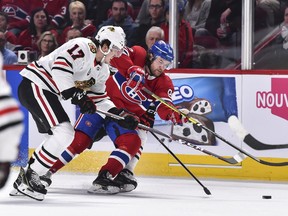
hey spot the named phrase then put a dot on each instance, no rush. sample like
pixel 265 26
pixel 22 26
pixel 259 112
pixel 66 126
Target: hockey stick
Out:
pixel 251 141
pixel 151 130
pixel 232 160
pixel 195 122
pixel 180 162
pixel 144 127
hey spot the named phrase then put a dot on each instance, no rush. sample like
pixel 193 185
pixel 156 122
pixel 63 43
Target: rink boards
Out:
pixel 258 98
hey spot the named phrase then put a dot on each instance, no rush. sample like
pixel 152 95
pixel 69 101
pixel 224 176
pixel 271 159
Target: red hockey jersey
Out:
pixel 56 9
pixel 138 102
pixel 17 11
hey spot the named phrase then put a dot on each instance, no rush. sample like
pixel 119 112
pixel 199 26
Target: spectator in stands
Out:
pixel 272 9
pixel 284 30
pixel 156 11
pixel 18 12
pixel 11 39
pixel 185 36
pixel 77 13
pixel 143 13
pixel 100 10
pixel 46 43
pixel 73 33
pixel 229 28
pixel 222 12
pixel 9 56
pixel 57 10
pixel 154 34
pixel 97 11
pixel 119 17
pixel 136 5
pixel 39 23
pixel 268 14
pixel 196 13
pixel 224 24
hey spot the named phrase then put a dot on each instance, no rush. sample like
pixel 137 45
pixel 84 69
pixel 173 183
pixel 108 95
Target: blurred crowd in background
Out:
pixel 209 31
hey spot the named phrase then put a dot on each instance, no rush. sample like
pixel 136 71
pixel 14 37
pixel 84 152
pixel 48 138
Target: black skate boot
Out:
pixel 17 182
pixel 46 179
pixel 104 184
pixel 32 186
pixel 126 180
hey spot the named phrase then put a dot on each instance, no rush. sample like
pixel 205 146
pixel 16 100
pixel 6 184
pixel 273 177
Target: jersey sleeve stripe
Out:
pixel 61 63
pixel 62 69
pixel 64 59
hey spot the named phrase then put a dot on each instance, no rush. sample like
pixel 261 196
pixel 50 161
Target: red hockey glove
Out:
pixel 130 120
pixel 87 106
pixel 137 78
pixel 177 118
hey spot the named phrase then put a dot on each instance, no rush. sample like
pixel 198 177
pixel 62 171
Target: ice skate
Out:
pixel 32 186
pixel 45 179
pixel 126 180
pixel 17 182
pixel 104 184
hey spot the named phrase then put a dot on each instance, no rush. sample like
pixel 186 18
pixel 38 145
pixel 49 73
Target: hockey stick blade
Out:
pixel 193 121
pixel 239 157
pixel 251 141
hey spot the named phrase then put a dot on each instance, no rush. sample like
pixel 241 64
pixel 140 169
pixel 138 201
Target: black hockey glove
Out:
pixel 148 118
pixel 86 105
pixel 130 120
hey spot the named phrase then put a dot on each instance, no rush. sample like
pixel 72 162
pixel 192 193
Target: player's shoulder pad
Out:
pixel 138 56
pixel 86 43
pixel 138 49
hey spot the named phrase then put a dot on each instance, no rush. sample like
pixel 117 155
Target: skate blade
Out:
pixel 99 189
pixel 27 191
pixel 127 188
pixel 15 192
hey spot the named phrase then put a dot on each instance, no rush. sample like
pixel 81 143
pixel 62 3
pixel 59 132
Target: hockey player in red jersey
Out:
pixel 78 71
pixel 136 68
pixel 129 95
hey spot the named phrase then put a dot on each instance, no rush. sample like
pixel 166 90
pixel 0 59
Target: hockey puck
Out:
pixel 266 197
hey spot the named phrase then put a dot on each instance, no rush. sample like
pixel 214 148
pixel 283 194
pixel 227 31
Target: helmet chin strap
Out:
pixel 104 53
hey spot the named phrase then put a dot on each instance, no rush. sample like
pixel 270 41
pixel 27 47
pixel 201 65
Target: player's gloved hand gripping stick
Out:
pixel 79 97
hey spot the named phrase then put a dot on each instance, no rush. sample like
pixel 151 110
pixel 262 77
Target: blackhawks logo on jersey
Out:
pixel 92 47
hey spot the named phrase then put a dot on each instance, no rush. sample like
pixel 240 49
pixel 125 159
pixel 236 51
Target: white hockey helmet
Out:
pixel 114 34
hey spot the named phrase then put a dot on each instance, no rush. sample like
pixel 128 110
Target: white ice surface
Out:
pixel 153 196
